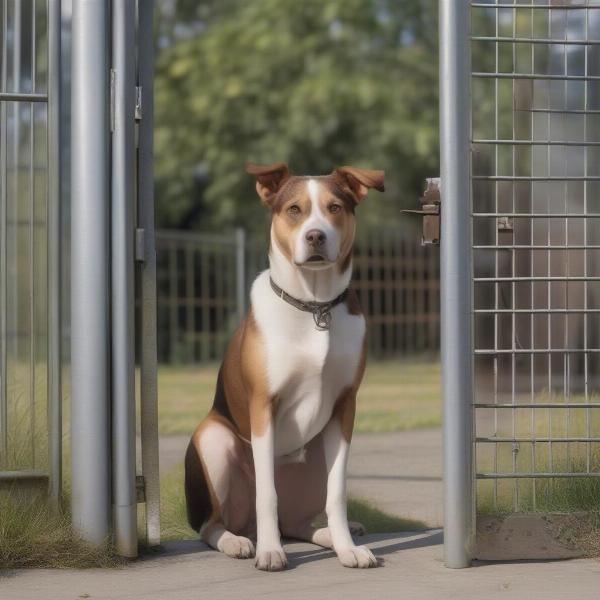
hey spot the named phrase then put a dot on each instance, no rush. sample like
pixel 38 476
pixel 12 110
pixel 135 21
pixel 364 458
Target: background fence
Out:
pixel 203 282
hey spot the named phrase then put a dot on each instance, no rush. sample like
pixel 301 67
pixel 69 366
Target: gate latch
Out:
pixel 430 211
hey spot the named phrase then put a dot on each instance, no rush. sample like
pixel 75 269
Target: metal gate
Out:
pixel 112 261
pixel 520 117
pixel 30 278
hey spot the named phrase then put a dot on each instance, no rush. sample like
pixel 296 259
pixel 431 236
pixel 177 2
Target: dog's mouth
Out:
pixel 315 258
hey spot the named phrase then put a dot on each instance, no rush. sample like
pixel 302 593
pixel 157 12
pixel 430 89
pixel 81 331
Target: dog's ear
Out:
pixel 269 179
pixel 360 181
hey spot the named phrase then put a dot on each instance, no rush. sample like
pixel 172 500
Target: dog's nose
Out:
pixel 315 237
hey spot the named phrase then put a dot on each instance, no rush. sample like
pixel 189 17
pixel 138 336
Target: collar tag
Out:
pixel 322 317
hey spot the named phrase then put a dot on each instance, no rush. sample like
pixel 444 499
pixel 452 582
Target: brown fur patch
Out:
pixel 200 498
pixel 242 394
pixel 295 192
pixel 353 303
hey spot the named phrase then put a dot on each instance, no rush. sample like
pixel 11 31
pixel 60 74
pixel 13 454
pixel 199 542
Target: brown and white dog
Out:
pixel 271 455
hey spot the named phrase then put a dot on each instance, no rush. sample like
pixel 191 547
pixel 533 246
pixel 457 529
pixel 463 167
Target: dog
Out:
pixel 271 454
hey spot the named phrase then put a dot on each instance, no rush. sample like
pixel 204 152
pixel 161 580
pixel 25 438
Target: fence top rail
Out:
pixel 554 6
pixel 20 97
pixel 194 237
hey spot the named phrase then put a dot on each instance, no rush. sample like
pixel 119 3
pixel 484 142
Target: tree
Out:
pixel 317 84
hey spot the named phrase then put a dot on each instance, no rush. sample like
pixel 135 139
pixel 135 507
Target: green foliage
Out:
pixel 317 84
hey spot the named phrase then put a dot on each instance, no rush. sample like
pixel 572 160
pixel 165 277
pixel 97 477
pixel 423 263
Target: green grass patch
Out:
pixel 33 535
pixel 376 520
pixel 174 524
pixel 395 395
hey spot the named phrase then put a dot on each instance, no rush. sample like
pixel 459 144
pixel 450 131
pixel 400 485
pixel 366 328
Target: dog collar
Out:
pixel 321 311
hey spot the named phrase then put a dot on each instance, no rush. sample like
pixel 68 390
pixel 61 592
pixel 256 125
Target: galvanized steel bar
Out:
pixel 54 381
pixel 240 272
pixel 456 341
pixel 532 40
pixel 122 279
pixel 553 6
pixel 537 474
pixel 3 239
pixel 148 362
pixel 18 97
pixel 89 272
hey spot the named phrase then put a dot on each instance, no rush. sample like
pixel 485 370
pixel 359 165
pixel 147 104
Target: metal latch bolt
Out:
pixel 430 211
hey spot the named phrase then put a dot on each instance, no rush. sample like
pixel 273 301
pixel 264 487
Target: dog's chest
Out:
pixel 307 369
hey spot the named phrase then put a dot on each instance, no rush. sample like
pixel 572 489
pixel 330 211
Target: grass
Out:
pixel 395 395
pixel 545 495
pixel 32 535
pixel 174 521
pixel 578 497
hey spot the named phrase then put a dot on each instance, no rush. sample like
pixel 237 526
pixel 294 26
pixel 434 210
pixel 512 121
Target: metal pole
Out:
pixel 148 389
pixel 122 278
pixel 456 272
pixel 89 272
pixel 3 239
pixel 54 266
pixel 240 272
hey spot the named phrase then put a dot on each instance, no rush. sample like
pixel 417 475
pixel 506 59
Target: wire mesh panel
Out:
pixel 536 252
pixel 29 278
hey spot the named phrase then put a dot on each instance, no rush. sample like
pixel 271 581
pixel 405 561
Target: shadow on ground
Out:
pixel 380 544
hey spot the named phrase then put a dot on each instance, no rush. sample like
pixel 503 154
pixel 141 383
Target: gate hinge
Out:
pixel 138 102
pixel 140 488
pixel 140 245
pixel 430 211
pixel 113 75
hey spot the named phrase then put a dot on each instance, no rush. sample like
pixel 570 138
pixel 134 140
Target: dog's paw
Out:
pixel 237 546
pixel 273 559
pixel 356 528
pixel 357 557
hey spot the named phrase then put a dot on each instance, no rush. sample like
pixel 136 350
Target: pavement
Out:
pixel 411 568
pixel 400 472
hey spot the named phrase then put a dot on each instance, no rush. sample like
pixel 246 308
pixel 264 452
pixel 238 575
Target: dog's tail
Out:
pixel 197 495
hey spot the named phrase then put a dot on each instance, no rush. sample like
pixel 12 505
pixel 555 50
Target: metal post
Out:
pixel 89 272
pixel 240 272
pixel 456 342
pixel 54 263
pixel 148 389
pixel 122 278
pixel 3 239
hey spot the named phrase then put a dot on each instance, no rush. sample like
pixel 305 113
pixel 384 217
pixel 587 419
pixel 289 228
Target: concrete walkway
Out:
pixel 411 569
pixel 401 472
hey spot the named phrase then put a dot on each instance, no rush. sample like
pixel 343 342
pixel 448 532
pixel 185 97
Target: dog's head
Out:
pixel 313 218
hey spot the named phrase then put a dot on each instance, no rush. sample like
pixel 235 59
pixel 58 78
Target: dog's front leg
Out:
pixel 336 440
pixel 269 552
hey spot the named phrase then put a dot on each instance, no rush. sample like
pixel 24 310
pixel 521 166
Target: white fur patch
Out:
pixel 307 369
pixel 316 220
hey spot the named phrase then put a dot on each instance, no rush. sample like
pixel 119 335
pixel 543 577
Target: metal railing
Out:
pixel 30 369
pixel 204 281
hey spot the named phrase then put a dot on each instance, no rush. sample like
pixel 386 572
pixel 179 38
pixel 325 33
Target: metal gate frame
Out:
pixel 112 229
pixel 461 273
pixel 52 479
pixel 455 282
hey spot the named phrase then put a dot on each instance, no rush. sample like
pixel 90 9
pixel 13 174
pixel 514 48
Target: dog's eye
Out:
pixel 294 210
pixel 334 208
